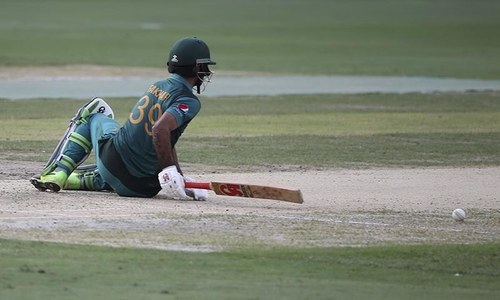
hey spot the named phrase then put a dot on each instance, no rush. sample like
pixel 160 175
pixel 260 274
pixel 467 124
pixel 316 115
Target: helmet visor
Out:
pixel 207 61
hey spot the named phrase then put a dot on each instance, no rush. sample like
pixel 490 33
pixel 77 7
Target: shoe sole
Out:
pixel 44 186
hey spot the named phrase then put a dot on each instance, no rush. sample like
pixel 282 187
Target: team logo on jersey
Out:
pixel 183 108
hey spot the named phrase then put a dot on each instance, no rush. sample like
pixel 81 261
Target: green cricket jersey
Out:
pixel 134 141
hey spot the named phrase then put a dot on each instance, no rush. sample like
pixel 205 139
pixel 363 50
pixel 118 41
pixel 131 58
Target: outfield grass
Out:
pixel 452 38
pixel 328 131
pixel 36 270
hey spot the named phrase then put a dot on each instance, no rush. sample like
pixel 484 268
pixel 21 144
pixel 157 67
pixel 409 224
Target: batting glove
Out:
pixel 197 194
pixel 172 183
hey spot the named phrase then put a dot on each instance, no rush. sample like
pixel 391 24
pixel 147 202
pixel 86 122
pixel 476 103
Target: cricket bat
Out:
pixel 248 191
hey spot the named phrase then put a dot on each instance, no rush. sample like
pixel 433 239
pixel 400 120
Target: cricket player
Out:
pixel 139 158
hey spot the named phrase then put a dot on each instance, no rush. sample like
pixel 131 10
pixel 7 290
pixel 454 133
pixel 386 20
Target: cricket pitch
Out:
pixel 341 208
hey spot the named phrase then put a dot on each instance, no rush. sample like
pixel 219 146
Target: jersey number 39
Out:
pixel 153 114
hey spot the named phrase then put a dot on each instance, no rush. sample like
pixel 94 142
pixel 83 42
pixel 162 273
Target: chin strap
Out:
pixel 198 84
pixel 202 80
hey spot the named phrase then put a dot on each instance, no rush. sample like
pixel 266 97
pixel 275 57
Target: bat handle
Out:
pixel 197 185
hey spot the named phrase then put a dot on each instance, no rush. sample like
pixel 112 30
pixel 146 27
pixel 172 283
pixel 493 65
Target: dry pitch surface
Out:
pixel 342 207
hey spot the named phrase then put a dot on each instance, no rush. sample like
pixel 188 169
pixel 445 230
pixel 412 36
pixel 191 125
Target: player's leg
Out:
pixel 105 129
pixel 89 177
pixel 98 177
pixel 96 105
pixel 73 149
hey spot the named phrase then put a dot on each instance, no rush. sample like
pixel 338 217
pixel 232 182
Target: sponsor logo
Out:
pixel 184 108
pixel 238 190
pixel 231 190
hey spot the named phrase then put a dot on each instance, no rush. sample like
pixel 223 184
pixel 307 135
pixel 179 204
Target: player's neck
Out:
pixel 192 80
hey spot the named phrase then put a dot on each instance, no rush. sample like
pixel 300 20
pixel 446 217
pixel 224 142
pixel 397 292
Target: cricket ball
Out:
pixel 458 214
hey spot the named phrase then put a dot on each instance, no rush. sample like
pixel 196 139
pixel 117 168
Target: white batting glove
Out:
pixel 197 194
pixel 172 183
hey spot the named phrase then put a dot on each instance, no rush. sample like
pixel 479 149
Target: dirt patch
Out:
pixel 342 207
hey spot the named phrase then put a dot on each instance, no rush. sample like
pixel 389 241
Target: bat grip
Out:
pixel 197 185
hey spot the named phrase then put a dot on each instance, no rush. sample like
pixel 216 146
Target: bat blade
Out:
pixel 250 191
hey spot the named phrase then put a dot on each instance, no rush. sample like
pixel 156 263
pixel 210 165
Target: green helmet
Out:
pixel 189 56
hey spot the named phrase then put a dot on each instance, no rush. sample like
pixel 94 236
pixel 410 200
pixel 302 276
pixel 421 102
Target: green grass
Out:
pixel 37 270
pixel 452 38
pixel 373 130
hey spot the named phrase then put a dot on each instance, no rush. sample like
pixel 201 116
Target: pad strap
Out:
pixel 80 140
pixel 88 181
pixel 67 162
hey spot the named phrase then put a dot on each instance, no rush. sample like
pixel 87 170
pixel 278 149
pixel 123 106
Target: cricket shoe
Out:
pixel 52 181
pixel 80 180
pixel 75 182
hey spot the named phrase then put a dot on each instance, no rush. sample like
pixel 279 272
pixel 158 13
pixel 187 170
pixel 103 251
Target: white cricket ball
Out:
pixel 458 214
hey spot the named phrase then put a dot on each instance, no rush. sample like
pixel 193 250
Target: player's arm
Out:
pixel 167 129
pixel 162 140
pixel 170 178
pixel 176 160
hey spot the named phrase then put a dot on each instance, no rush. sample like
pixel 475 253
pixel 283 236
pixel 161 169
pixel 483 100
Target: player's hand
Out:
pixel 172 183
pixel 196 194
